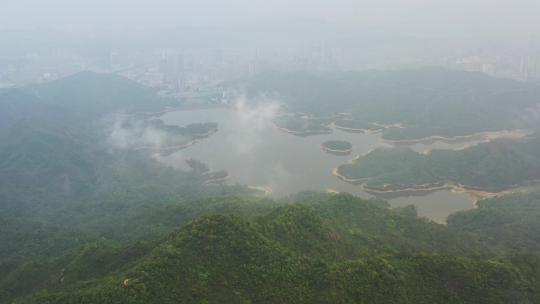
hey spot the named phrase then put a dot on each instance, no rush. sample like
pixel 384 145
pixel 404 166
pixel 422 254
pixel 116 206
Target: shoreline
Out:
pixel 359 156
pixel 334 151
pixel 421 190
pixel 205 135
pixel 425 189
pixel 353 130
pixel 340 152
pixel 483 136
pixel 166 148
pixel 303 133
pixel 336 173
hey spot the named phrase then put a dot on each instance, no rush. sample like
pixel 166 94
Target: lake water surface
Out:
pixel 255 153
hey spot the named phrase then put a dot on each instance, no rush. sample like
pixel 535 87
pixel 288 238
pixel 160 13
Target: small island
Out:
pixel 303 125
pixel 337 147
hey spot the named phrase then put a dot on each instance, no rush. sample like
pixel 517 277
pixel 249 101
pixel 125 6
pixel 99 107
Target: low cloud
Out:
pixel 128 132
pixel 253 119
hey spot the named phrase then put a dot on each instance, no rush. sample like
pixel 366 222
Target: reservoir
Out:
pixel 255 153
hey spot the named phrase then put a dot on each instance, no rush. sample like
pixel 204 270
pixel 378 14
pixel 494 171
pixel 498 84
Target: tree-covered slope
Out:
pixel 425 101
pixel 50 141
pixel 369 227
pixel 228 258
pixel 60 176
pixel 492 166
pixel 511 221
pixel 43 155
pixel 89 94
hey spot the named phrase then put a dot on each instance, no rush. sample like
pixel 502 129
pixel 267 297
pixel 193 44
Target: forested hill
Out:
pixel 314 249
pixel 52 148
pixel 61 178
pixel 510 221
pixel 430 101
pixel 493 166
pixel 93 94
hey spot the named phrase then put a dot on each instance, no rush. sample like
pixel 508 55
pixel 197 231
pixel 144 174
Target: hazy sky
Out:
pixel 420 16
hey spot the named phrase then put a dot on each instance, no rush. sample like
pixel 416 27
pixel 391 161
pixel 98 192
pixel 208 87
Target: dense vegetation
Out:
pixel 61 181
pixel 510 221
pixel 426 101
pixel 492 166
pixel 320 249
pixel 86 221
pixel 90 95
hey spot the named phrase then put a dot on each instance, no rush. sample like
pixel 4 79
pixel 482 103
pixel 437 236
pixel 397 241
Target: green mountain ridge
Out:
pixel 228 258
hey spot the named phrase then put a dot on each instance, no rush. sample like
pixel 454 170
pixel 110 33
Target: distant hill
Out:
pixel 426 102
pixel 92 94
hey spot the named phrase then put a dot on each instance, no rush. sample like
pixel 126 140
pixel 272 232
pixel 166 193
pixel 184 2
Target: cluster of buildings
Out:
pixel 524 67
pixel 517 62
pixel 195 72
pixel 191 72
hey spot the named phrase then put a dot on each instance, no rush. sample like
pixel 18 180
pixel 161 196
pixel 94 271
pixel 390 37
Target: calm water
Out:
pixel 437 205
pixel 255 153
